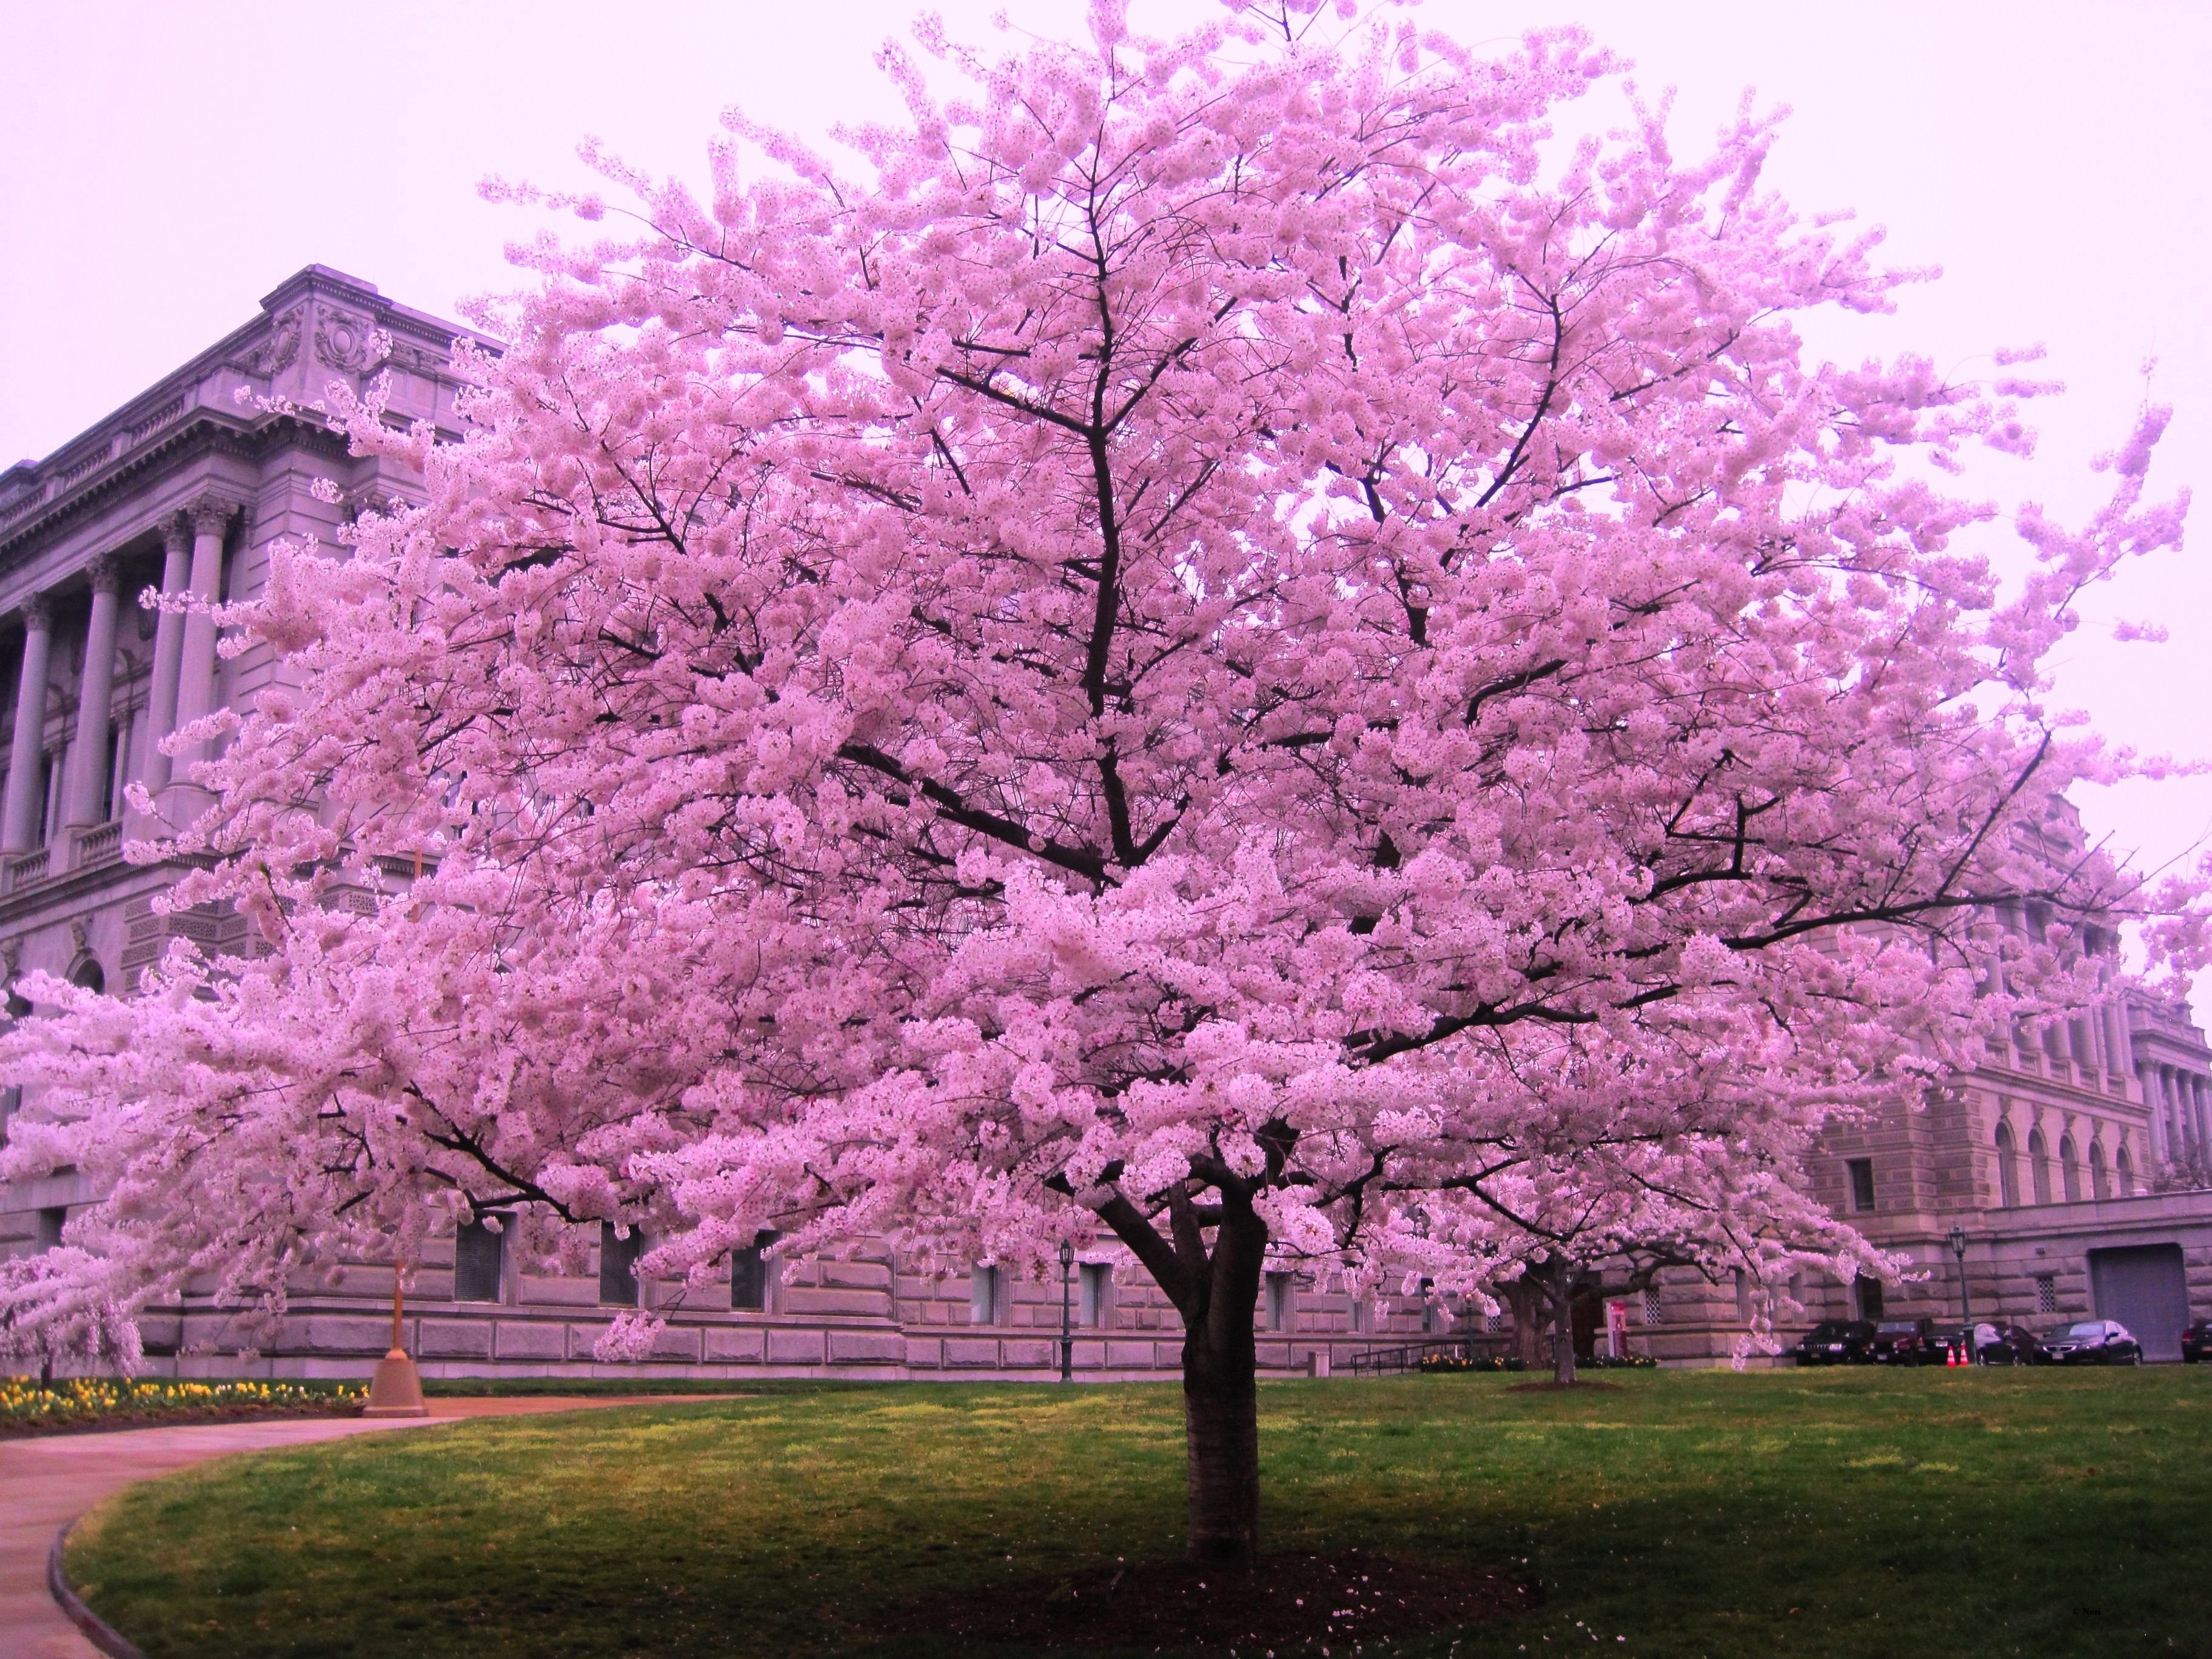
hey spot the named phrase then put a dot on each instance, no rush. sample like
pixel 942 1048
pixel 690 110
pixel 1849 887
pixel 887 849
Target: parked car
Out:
pixel 1910 1342
pixel 2196 1342
pixel 2008 1345
pixel 1836 1342
pixel 2093 1342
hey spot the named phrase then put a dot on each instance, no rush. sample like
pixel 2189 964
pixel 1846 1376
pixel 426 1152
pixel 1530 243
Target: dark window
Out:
pixel 90 977
pixel 50 1227
pixel 2007 1168
pixel 1869 1294
pixel 11 1099
pixel 476 1255
pixel 618 1264
pixel 1281 1288
pixel 1862 1173
pixel 751 1274
pixel 2046 1293
pixel 110 775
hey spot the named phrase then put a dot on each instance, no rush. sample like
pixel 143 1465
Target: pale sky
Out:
pixel 165 163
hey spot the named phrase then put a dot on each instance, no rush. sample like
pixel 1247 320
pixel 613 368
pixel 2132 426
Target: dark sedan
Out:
pixel 2008 1345
pixel 1836 1342
pixel 2093 1342
pixel 1910 1342
pixel 2196 1342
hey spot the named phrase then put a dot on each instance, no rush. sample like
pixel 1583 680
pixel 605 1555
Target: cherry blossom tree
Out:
pixel 1204 643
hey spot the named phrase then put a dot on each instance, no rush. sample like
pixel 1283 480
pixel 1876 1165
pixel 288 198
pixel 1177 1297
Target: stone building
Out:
pixel 2042 1157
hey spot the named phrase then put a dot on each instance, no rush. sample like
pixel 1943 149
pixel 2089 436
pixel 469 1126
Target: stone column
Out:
pixel 95 705
pixel 168 649
pixel 210 517
pixel 19 814
pixel 2147 1076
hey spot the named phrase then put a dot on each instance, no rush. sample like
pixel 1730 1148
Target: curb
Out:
pixel 97 1631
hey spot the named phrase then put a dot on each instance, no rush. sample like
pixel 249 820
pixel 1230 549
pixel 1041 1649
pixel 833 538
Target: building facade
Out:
pixel 2045 1157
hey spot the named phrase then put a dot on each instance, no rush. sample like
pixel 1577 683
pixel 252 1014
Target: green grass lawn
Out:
pixel 1836 1513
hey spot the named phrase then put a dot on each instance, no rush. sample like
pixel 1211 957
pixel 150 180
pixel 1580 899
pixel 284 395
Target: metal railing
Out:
pixel 1408 1356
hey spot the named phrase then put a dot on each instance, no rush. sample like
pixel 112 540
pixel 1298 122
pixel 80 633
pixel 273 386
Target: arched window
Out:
pixel 2038 1165
pixel 2125 1167
pixel 2069 1170
pixel 2008 1167
pixel 90 977
pixel 2097 1189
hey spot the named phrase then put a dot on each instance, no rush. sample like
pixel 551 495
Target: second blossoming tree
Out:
pixel 1206 645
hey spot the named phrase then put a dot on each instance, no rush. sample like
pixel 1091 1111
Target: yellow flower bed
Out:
pixel 75 1401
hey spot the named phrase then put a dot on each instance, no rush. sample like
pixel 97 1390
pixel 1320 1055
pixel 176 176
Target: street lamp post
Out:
pixel 1958 1242
pixel 1066 1329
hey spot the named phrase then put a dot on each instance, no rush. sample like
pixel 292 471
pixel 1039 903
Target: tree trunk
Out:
pixel 1561 1280
pixel 1221 1434
pixel 1217 1292
pixel 1524 1299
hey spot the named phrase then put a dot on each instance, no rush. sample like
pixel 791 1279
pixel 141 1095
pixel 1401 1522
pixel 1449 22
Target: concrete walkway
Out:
pixel 49 1479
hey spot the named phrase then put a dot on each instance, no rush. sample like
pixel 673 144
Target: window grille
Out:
pixel 2046 1293
pixel 618 1266
pixel 987 1295
pixel 1098 1291
pixel 477 1258
pixel 751 1274
pixel 1654 1312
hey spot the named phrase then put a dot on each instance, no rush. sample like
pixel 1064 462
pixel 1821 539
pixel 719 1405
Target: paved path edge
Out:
pixel 97 1631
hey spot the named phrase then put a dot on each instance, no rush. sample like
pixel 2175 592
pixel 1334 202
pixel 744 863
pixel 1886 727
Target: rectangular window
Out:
pixel 11 1099
pixel 1743 1296
pixel 51 1222
pixel 751 1273
pixel 618 1266
pixel 119 762
pixel 50 796
pixel 2046 1293
pixel 1862 1173
pixel 477 1254
pixel 1097 1292
pixel 1868 1292
pixel 1654 1312
pixel 985 1295
pixel 1281 1290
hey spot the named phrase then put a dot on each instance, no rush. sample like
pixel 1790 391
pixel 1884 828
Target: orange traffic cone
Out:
pixel 1951 1357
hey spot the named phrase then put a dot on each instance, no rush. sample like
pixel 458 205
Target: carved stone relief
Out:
pixel 276 350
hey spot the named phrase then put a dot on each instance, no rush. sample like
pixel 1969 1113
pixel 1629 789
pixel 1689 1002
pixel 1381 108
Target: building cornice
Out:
pixel 338 323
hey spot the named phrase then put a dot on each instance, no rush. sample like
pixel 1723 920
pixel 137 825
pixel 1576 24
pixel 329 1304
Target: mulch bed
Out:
pixel 1289 1603
pixel 25 1431
pixel 1578 1386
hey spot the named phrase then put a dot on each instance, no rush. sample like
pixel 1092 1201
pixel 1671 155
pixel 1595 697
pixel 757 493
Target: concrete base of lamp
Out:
pixel 395 1390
